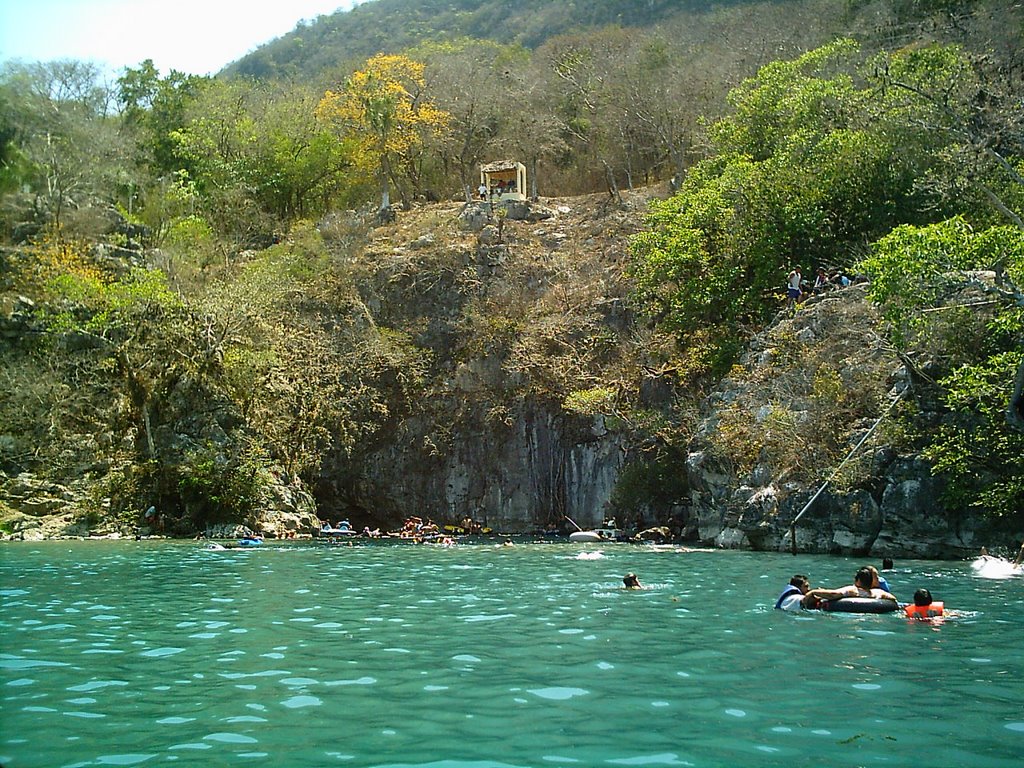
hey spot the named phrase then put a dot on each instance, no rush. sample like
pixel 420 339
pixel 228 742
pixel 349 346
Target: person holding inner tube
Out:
pixel 794 596
pixel 878 582
pixel 861 587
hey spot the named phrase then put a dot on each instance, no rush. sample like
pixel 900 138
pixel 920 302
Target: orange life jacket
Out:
pixel 924 611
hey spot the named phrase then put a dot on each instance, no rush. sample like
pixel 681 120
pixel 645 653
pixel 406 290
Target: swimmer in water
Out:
pixel 923 606
pixel 862 587
pixel 630 581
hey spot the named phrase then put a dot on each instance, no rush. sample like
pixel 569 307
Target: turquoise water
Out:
pixel 476 656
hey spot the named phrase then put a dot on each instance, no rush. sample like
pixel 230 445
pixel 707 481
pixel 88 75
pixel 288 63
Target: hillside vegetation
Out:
pixel 392 26
pixel 244 300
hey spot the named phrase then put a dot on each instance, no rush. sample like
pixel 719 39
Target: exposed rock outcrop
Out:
pixel 777 429
pixel 513 477
pixel 34 509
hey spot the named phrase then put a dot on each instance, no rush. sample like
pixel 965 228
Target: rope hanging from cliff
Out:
pixel 850 455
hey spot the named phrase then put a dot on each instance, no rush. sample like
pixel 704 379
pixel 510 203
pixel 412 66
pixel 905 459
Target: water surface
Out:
pixel 477 656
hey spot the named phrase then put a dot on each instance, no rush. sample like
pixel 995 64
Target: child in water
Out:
pixel 924 607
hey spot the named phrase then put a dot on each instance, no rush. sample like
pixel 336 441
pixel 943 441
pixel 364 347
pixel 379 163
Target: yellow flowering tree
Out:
pixel 385 107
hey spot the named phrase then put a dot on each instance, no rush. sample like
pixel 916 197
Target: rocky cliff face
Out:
pixel 518 309
pixel 805 394
pixel 514 477
pixel 514 315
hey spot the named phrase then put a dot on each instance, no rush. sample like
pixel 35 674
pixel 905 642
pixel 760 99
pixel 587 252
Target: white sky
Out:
pixel 197 37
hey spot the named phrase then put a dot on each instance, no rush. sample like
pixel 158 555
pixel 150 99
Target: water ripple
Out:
pixel 558 693
pixel 296 702
pixel 230 738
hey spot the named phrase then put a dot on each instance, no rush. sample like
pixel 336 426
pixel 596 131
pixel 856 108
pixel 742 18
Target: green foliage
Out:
pixel 779 185
pixel 984 465
pixel 808 168
pixel 913 268
pixel 598 401
pixel 113 308
pixel 217 488
pixel 266 145
pixel 657 482
pixel 789 102
pixel 190 231
pixel 158 107
pixel 917 269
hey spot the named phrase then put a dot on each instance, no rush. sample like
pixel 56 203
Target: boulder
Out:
pixel 474 218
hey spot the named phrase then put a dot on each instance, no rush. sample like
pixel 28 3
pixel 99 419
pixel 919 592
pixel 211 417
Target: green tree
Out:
pixel 967 110
pixel 977 344
pixel 156 107
pixel 800 173
pixel 264 144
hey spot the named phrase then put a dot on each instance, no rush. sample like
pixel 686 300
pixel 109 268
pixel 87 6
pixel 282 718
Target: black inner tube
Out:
pixel 859 605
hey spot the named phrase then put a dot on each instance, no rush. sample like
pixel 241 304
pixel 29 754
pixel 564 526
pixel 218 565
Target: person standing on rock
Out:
pixel 793 290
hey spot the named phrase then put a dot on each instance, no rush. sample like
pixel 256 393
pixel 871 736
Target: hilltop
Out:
pixel 346 37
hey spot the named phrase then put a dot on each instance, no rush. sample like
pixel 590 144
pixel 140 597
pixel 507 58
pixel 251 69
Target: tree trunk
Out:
pixel 384 214
pixel 150 444
pixel 613 188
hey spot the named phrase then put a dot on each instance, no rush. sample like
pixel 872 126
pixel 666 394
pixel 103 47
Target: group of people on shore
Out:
pixel 867 583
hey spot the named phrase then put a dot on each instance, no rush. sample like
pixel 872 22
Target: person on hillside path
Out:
pixel 821 283
pixel 793 290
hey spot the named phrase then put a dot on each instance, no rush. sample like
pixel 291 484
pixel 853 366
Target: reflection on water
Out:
pixel 125 653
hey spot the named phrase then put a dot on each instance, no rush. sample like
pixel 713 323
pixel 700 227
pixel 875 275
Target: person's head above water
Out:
pixel 801 582
pixel 865 577
pixel 922 597
pixel 876 577
pixel 630 580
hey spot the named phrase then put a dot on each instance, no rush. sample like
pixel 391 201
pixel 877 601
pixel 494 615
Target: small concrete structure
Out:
pixel 504 180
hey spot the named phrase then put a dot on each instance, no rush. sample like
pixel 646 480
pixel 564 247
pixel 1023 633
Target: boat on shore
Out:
pixel 341 530
pixel 609 531
pixel 599 535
